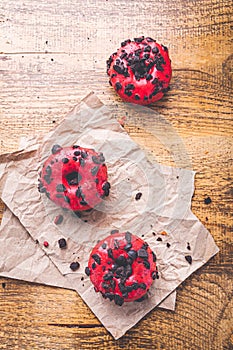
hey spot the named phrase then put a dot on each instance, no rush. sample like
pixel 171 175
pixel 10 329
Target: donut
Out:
pixel 74 178
pixel 122 267
pixel 140 71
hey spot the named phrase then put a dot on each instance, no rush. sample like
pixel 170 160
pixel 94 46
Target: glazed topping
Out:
pixel 122 267
pixel 74 177
pixel 140 71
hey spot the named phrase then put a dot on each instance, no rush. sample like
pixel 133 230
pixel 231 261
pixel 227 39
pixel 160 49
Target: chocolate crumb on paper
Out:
pixel 138 196
pixel 189 259
pixel 74 266
pixel 62 243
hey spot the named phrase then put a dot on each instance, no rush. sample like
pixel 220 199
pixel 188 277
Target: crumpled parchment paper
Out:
pixel 163 208
pixel 21 257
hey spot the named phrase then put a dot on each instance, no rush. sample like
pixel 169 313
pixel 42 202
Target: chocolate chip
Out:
pixel 97 258
pixel 118 300
pixel 146 264
pixel 149 77
pixel 96 160
pixel 48 170
pixel 189 259
pixel 207 200
pixel 128 270
pixel 145 245
pixel 124 43
pixel 94 170
pixel 139 40
pixel 106 186
pixel 77 153
pixel 116 244
pixel 130 87
pixel 55 149
pixel 153 275
pixel 159 239
pixel 62 243
pixel 114 231
pixel 118 86
pixel 128 237
pixel 123 55
pixel 78 193
pixel 155 81
pixel 133 286
pixel 3 285
pixel 84 154
pixel 142 253
pixel 83 202
pixel 122 287
pixel 142 286
pixel 65 160
pixel 120 272
pixel 87 271
pixel 121 261
pixel 74 266
pixel 128 247
pixel 138 196
pixel 105 285
pixel 168 245
pixel 128 92
pixel 82 162
pixel 48 179
pixel 188 246
pixel 101 157
pixel 118 69
pixel 58 219
pixel 147 48
pixel 110 254
pixel 110 296
pixel 132 254
pixel 108 276
pixel 155 50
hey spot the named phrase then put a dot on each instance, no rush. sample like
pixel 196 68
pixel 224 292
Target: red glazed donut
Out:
pixel 140 71
pixel 122 267
pixel 74 178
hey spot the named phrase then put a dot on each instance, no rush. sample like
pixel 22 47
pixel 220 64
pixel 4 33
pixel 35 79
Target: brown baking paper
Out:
pixel 163 207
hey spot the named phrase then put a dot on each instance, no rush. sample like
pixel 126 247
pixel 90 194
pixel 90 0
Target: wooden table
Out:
pixel 53 53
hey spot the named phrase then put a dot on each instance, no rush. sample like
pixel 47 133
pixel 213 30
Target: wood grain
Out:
pixel 52 53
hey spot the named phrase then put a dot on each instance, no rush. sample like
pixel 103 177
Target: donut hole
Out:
pixel 73 178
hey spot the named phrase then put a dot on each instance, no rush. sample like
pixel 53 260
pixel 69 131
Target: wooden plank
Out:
pixel 52 53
